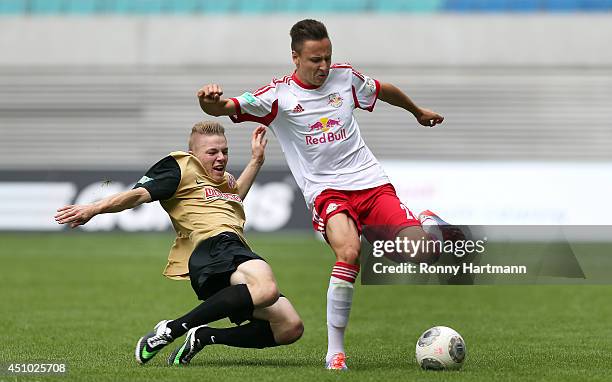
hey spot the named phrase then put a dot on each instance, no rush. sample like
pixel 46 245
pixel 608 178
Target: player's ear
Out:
pixel 295 57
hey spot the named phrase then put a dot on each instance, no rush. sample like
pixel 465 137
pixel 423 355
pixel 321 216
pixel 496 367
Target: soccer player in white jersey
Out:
pixel 311 114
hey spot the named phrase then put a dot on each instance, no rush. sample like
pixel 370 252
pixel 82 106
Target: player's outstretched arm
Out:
pixel 258 149
pixel 211 102
pixel 77 215
pixel 391 94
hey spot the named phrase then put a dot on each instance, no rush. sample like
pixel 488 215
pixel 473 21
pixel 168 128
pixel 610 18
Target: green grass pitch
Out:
pixel 85 299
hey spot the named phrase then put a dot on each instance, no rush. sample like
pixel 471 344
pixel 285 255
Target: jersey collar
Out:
pixel 295 78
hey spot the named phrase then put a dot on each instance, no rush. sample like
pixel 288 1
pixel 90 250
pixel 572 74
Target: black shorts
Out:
pixel 214 260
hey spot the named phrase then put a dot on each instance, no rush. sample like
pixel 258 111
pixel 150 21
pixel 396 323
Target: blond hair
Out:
pixel 206 128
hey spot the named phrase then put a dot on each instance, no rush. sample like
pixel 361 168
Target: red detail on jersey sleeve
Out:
pixel 358 75
pixel 237 105
pixel 371 107
pixel 355 100
pixel 377 93
pixel 271 85
pixel 243 117
pixel 262 90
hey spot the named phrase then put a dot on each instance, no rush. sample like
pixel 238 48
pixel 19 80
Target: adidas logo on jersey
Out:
pixel 298 109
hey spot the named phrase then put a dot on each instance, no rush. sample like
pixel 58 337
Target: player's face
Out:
pixel 212 151
pixel 313 61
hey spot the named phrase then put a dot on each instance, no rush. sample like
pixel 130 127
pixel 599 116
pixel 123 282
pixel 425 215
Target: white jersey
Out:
pixel 317 130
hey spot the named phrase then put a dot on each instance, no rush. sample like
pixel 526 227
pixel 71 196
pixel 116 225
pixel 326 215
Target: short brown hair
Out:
pixel 304 30
pixel 206 128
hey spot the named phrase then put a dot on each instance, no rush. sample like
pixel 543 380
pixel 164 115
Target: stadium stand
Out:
pixel 62 100
pixel 124 117
pixel 149 7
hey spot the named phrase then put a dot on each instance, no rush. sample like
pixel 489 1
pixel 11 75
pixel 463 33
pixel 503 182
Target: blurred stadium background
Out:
pixel 93 92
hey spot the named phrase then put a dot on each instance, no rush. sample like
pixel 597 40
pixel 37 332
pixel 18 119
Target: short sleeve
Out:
pixel 162 179
pixel 365 91
pixel 260 106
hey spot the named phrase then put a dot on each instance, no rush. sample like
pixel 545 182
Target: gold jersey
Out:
pixel 199 207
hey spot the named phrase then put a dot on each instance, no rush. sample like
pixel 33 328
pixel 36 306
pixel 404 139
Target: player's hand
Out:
pixel 75 215
pixel 258 144
pixel 429 118
pixel 210 93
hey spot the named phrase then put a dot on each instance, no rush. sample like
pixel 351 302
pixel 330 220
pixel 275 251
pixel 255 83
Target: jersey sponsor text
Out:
pixel 326 138
pixel 213 193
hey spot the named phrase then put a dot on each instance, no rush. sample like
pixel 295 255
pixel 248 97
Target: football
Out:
pixel 440 348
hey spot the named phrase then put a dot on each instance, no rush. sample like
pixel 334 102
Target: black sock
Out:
pixel 228 301
pixel 256 334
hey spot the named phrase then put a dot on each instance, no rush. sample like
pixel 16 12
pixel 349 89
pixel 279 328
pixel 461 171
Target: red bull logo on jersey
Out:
pixel 324 124
pixel 212 193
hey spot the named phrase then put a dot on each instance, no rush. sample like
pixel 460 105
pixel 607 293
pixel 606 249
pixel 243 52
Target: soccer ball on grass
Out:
pixel 440 348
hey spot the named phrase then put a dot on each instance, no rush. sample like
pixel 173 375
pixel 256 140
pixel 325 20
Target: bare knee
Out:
pixel 263 293
pixel 259 279
pixel 348 254
pixel 289 332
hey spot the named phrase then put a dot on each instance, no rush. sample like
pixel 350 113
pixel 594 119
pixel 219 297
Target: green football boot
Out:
pixel 192 346
pixel 151 343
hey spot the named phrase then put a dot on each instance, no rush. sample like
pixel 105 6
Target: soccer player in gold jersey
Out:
pixel 204 203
